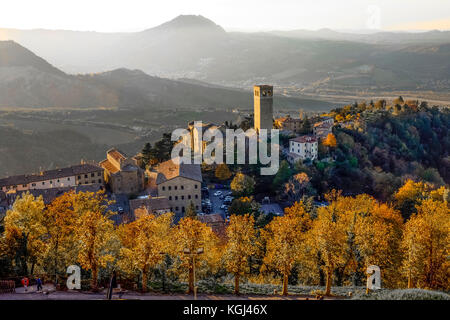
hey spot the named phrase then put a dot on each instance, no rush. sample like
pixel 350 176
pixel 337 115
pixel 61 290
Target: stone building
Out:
pixel 289 124
pixel 82 174
pixel 122 174
pixel 323 128
pixel 263 107
pixel 303 147
pixel 180 184
pixel 149 205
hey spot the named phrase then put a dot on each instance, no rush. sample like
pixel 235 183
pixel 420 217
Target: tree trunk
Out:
pixel 94 278
pixel 329 280
pixel 285 284
pixel 410 282
pixel 236 283
pixel 191 277
pixel 144 280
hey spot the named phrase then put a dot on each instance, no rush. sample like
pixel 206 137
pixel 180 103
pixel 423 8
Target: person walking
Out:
pixel 39 284
pixel 25 283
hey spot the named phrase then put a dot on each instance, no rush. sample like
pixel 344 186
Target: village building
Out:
pixel 322 128
pixel 122 174
pixel 180 183
pixel 216 222
pixel 302 148
pixel 82 174
pixel 289 124
pixel 149 205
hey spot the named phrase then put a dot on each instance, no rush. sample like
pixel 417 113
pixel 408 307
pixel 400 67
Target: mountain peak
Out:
pixel 13 54
pixel 187 22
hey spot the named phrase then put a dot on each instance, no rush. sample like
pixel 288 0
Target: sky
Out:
pixel 233 15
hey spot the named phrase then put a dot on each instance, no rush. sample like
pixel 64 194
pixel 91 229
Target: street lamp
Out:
pixel 192 256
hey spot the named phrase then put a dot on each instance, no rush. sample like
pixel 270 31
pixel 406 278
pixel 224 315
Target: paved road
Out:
pixel 138 296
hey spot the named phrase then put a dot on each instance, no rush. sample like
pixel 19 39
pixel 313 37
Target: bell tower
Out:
pixel 263 107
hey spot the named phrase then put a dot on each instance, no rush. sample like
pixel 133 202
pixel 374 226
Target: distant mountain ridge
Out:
pixel 195 47
pixel 27 80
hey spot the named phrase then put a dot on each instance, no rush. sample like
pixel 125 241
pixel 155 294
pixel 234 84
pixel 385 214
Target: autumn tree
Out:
pixel 410 195
pixel 242 185
pixel 330 141
pixel 241 236
pixel 426 242
pixel 144 242
pixel 59 221
pixel 95 233
pixel 24 232
pixel 195 247
pixel 328 238
pixel 297 186
pixel 223 172
pixel 283 238
pixel 377 236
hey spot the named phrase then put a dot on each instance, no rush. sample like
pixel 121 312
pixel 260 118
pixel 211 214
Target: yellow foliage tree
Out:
pixel 328 238
pixel 144 243
pixel 223 172
pixel 241 236
pixel 24 232
pixel 426 242
pixel 95 233
pixel 59 221
pixel 196 247
pixel 283 237
pixel 330 141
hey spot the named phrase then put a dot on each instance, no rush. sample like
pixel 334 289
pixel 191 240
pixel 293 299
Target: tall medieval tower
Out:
pixel 263 107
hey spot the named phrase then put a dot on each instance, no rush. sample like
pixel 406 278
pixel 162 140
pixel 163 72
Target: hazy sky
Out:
pixel 136 15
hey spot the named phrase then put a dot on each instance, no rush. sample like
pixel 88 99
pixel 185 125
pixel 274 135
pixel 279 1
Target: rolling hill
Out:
pixel 195 47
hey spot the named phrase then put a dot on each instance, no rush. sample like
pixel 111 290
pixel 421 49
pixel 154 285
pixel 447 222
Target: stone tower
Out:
pixel 263 107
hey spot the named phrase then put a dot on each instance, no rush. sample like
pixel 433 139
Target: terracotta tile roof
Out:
pixel 108 166
pixel 116 154
pixel 305 139
pixel 50 174
pixel 169 170
pixel 150 204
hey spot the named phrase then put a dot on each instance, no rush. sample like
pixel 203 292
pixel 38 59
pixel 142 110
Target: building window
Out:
pixel 79 177
pixel 51 182
pixel 170 197
pixel 175 187
pixel 171 208
pixel 164 188
pixel 92 175
pixel 176 197
pixel 196 186
pixel 33 184
pixel 57 180
pixel 176 208
pixel 99 174
pixel 196 196
pixel 170 188
pixel 183 209
pixel 196 207
pixel 182 187
pixel 189 196
pixel 85 175
pixel 68 179
pixel 182 197
pixel 24 185
pixel 99 181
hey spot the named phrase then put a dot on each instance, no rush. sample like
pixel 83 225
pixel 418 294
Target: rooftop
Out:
pixel 169 170
pixel 50 174
pixel 305 139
